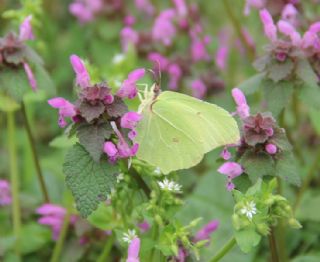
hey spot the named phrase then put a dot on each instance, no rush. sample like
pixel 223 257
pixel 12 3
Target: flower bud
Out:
pixel 271 149
pixel 294 223
pixel 263 229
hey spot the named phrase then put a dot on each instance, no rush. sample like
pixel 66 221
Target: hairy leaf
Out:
pixel 287 169
pixel 92 138
pixel 89 181
pixel 257 165
pixel 279 71
pixel 90 112
pixel 247 239
pixel 252 84
pixel 117 108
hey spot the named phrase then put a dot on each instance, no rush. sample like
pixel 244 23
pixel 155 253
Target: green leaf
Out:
pixel 287 169
pixel 247 239
pixel 257 165
pixel 92 138
pixel 63 141
pixel 277 95
pixel 252 84
pixel 99 218
pixel 89 181
pixel 279 71
pixel 309 208
pixel 309 92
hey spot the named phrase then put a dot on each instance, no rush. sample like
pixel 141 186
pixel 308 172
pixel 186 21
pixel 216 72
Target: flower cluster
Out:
pixel 98 110
pixel 260 136
pixel 53 216
pixel 167 185
pixel 5 193
pixel 275 6
pixel 14 53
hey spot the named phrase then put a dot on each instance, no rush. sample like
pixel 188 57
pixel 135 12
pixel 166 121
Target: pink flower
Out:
pixel 5 193
pixel 66 109
pixel 289 14
pixel 175 74
pixel 243 110
pixel 199 89
pixel 181 7
pixel 125 150
pixel 199 50
pixel 133 250
pixel 80 10
pixel 222 57
pixel 258 4
pixel 31 78
pixel 225 154
pixel 110 149
pixel 270 29
pixel 144 226
pixel 130 119
pixel 53 216
pixel 159 60
pixel 163 29
pixel 129 20
pixel 145 6
pixel 82 75
pixel 271 149
pixel 26 29
pixel 128 37
pixel 231 170
pixel 129 87
pixel 288 30
pixel 205 232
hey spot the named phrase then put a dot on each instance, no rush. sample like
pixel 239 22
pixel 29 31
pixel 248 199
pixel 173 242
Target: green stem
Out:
pixel 104 256
pixel 35 155
pixel 273 247
pixel 63 234
pixel 140 182
pixel 307 180
pixel 14 180
pixel 224 250
pixel 237 27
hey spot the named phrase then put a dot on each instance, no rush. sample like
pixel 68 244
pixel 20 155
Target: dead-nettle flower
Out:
pixel 231 170
pixel 66 109
pixel 133 250
pixel 128 88
pixel 85 10
pixel 82 75
pixel 53 216
pixel 258 4
pixel 290 14
pixel 145 6
pixel 199 88
pixel 199 44
pixel 167 185
pixel 249 209
pixel 164 29
pixel 128 37
pixel 5 193
pixel 13 51
pixel 129 236
pixel 243 110
pixel 205 232
pixel 144 226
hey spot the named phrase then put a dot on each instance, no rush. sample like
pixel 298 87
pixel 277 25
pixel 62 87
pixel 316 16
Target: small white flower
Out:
pixel 168 185
pixel 128 237
pixel 118 58
pixel 157 171
pixel 249 209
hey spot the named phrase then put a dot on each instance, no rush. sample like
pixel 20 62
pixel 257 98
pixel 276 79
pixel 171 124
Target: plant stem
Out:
pixel 224 250
pixel 63 234
pixel 237 27
pixel 273 247
pixel 35 155
pixel 140 182
pixel 104 256
pixel 14 180
pixel 307 180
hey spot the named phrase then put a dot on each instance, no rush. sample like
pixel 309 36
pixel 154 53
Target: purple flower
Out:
pixel 287 29
pixel 129 20
pixel 5 193
pixel 82 75
pixel 243 110
pixel 175 74
pixel 159 60
pixel 258 4
pixel 130 119
pixel 271 149
pixel 125 150
pixel 289 13
pixel 163 29
pixel 182 255
pixel 133 250
pixel 110 149
pixel 128 37
pixel 145 6
pixel 205 232
pixel 199 89
pixel 231 170
pixel 270 29
pixel 222 57
pixel 53 216
pixel 85 10
pixel 66 109
pixel 199 50
pixel 181 7
pixel 225 154
pixel 31 78
pixel 26 29
pixel 144 226
pixel 129 87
